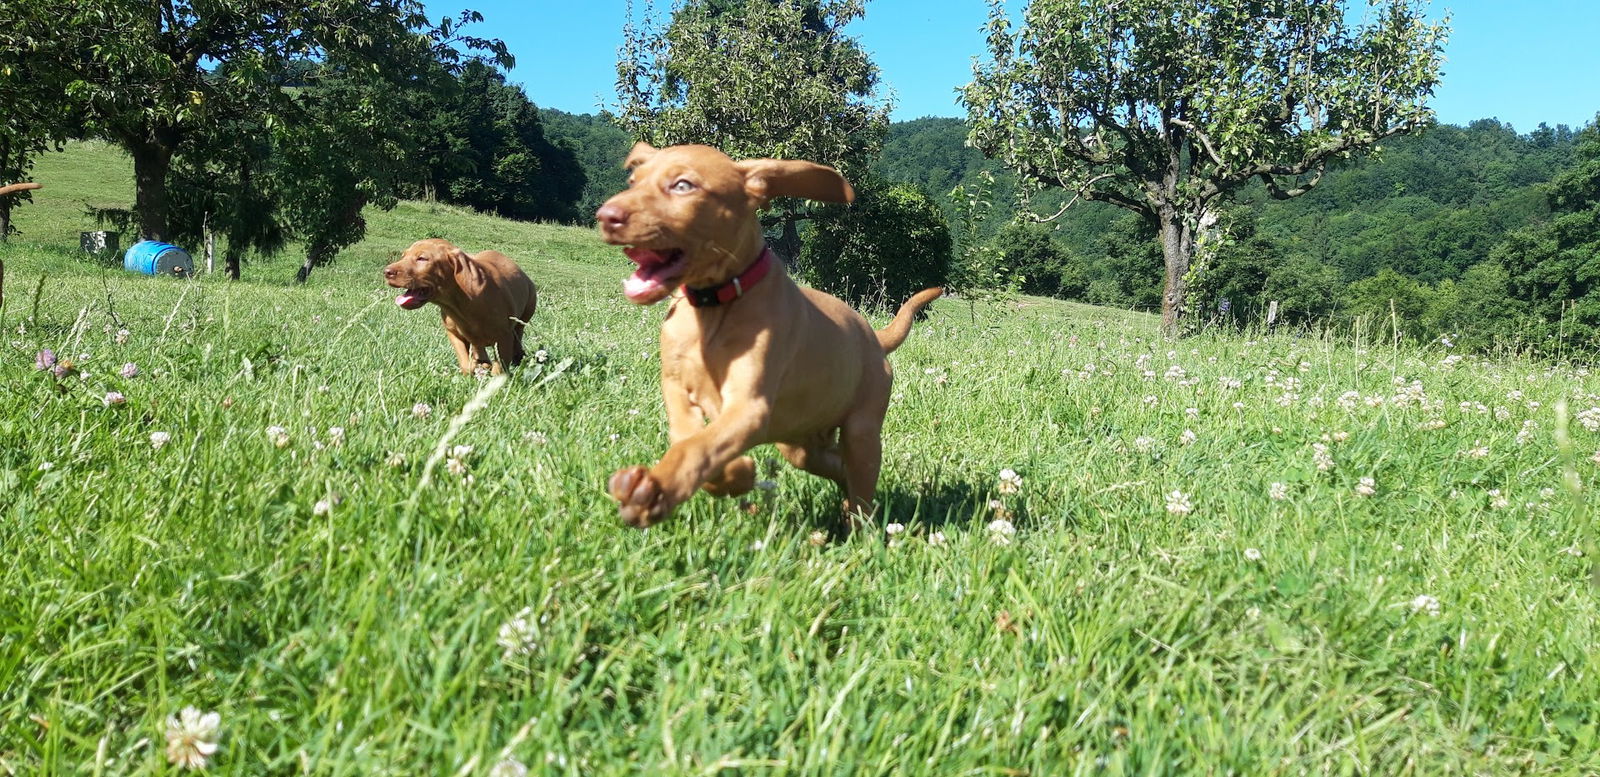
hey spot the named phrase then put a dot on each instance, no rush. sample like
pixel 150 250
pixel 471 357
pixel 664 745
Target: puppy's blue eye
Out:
pixel 682 186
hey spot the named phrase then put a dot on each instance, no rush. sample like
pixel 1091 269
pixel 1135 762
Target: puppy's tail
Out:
pixel 891 336
pixel 19 187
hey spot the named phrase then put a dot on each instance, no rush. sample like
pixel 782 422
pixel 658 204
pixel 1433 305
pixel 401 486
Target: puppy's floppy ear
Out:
pixel 458 258
pixel 765 179
pixel 640 154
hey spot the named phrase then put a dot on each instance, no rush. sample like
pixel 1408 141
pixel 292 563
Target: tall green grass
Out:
pixel 1443 624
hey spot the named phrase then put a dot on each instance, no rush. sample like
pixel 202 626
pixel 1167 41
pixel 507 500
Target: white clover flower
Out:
pixel 455 466
pixel 509 767
pixel 936 539
pixel 158 439
pixel 1253 613
pixel 1425 604
pixel 278 436
pixel 537 438
pixel 122 336
pixel 1150 400
pixel 113 398
pixel 519 636
pixel 192 737
pixel 335 435
pixel 1366 487
pixel 322 507
pixel 1252 554
pixel 1321 457
pixel 1178 503
pixel 1010 482
pixel 1001 531
pixel 396 460
pixel 1143 443
pixel 461 452
pixel 1479 451
pixel 818 539
pixel 1277 491
pixel 1526 432
pixel 893 528
pixel 1497 500
pixel 1590 419
pixel 129 370
pixel 421 410
pixel 1188 437
pixel 1191 412
pixel 758 545
pixel 541 356
pixel 1339 436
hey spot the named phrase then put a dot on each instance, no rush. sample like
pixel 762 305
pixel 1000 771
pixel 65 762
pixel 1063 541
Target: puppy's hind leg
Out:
pixel 510 349
pixel 737 477
pixel 862 442
pixel 819 456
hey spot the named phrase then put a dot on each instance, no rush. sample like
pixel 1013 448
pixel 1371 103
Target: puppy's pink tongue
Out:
pixel 409 300
pixel 640 288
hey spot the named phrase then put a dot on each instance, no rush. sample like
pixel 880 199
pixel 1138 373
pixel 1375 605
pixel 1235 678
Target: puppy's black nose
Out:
pixel 611 216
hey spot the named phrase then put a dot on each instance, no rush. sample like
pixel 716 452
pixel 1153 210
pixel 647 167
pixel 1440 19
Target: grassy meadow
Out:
pixel 1240 555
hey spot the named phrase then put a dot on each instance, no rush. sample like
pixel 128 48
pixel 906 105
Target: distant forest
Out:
pixel 1422 232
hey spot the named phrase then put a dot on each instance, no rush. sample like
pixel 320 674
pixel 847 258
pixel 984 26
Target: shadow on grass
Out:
pixel 925 507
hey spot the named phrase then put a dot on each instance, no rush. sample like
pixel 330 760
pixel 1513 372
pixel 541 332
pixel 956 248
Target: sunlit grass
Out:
pixel 1444 624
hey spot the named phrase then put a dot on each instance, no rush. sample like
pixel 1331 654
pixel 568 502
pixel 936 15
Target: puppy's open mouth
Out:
pixel 659 270
pixel 411 299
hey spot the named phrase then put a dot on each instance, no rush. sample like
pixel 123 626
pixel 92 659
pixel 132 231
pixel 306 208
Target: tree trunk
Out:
pixel 1177 248
pixel 230 262
pixel 5 232
pixel 151 161
pixel 314 258
pixel 211 246
pixel 304 273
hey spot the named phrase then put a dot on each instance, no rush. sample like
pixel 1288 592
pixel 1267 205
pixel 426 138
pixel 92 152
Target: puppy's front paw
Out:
pixel 641 501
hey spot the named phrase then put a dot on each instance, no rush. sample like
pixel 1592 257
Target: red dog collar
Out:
pixel 731 290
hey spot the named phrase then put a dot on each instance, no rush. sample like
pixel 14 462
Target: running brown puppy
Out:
pixel 485 299
pixel 745 348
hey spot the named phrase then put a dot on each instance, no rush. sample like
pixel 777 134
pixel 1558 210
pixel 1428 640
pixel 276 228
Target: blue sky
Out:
pixel 1521 61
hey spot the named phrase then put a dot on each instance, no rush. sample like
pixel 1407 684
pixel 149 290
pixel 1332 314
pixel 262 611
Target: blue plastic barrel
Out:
pixel 152 257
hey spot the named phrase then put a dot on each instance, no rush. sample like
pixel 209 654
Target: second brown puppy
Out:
pixel 484 299
pixel 745 348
